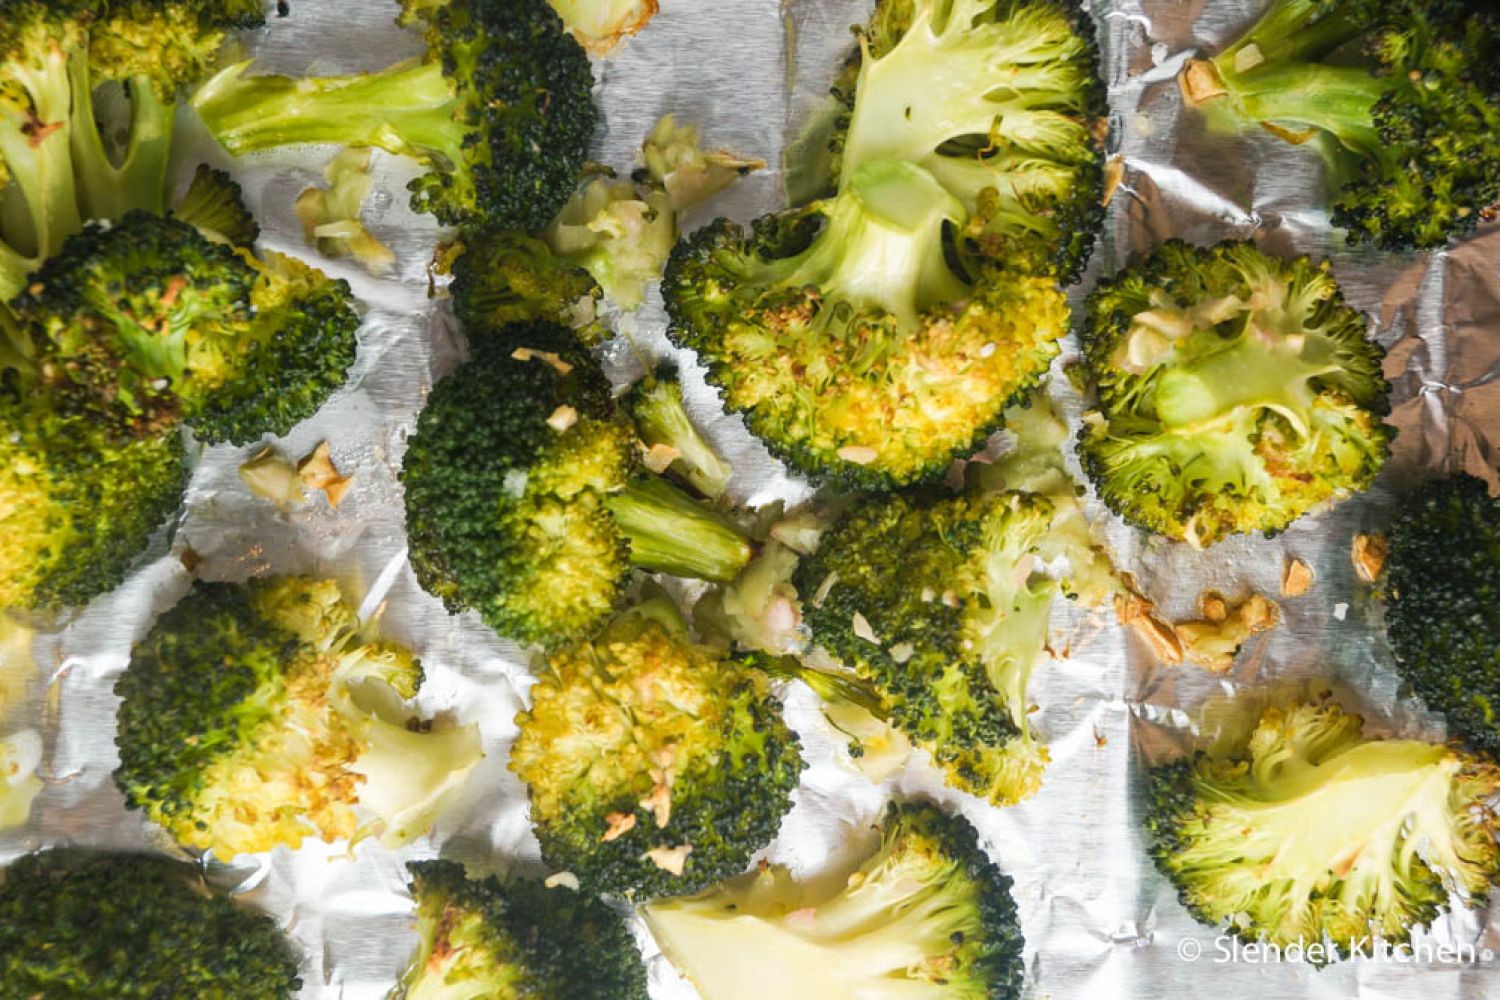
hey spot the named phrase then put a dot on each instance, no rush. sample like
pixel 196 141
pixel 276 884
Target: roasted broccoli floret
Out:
pixel 148 315
pixel 213 205
pixel 523 500
pixel 61 162
pixel 600 25
pixel 255 715
pixel 499 110
pixel 505 278
pixel 1306 828
pixel 516 938
pixel 856 348
pixel 1443 610
pixel 78 925
pixel 672 443
pixel 80 495
pixel 1237 392
pixel 940 606
pixel 1001 101
pixel 654 765
pixel 1403 94
pixel 927 914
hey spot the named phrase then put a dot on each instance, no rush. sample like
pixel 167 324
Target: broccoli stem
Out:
pixel 407 109
pixel 35 149
pixel 662 419
pixel 139 181
pixel 669 532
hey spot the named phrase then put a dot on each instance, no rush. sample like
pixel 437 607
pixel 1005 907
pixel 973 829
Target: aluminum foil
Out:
pixel 1099 922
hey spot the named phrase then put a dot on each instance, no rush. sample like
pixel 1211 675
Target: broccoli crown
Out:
pixel 505 278
pixel 654 766
pixel 1405 93
pixel 928 914
pixel 672 441
pixel 1305 828
pixel 1443 610
pixel 1002 102
pixel 519 500
pixel 149 315
pixel 80 497
pixel 516 938
pixel 500 111
pixel 254 715
pixel 214 205
pixel 1237 392
pixel 843 331
pixel 939 606
pixel 86 926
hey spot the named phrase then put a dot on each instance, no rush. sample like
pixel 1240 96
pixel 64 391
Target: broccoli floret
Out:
pixel 331 219
pixel 213 205
pixel 499 110
pixel 940 606
pixel 620 234
pixel 843 331
pixel 1443 610
pixel 600 25
pixel 59 165
pixel 1237 392
pixel 78 925
pixel 1002 102
pixel 1306 828
pixel 522 500
pixel 673 444
pixel 255 715
pixel 149 315
pixel 1403 94
pixel 654 765
pixel 516 938
pixel 80 496
pixel 506 278
pixel 927 914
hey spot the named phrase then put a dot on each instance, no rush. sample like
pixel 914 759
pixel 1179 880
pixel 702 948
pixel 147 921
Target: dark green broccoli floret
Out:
pixel 1237 392
pixel 654 765
pixel 940 607
pixel 516 938
pixel 256 715
pixel 76 925
pixel 856 349
pixel 927 914
pixel 149 315
pixel 80 496
pixel 1001 100
pixel 673 443
pixel 1305 828
pixel 500 111
pixel 213 205
pixel 1443 613
pixel 1404 94
pixel 506 278
pixel 522 500
pixel 54 156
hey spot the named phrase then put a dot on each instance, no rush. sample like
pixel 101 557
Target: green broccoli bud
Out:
pixel 493 938
pixel 1237 392
pixel 77 925
pixel 522 500
pixel 843 331
pixel 255 715
pixel 213 205
pixel 940 608
pixel 654 766
pixel 1306 829
pixel 1444 566
pixel 927 914
pixel 499 111
pixel 671 440
pixel 1403 95
pixel 505 278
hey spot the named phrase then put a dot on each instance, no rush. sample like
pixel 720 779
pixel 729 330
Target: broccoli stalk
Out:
pixel 673 444
pixel 1404 91
pixel 1306 828
pixel 493 938
pixel 669 532
pixel 499 110
pixel 925 915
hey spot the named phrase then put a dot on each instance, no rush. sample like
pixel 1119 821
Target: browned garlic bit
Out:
pixel 1368 556
pixel 1213 645
pixel 1136 612
pixel 524 354
pixel 1296 578
pixel 270 475
pixel 318 472
pixel 670 859
pixel 619 825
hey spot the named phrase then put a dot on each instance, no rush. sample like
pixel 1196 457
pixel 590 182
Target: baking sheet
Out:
pixel 1099 922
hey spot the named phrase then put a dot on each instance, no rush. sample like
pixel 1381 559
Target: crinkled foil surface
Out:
pixel 1099 922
